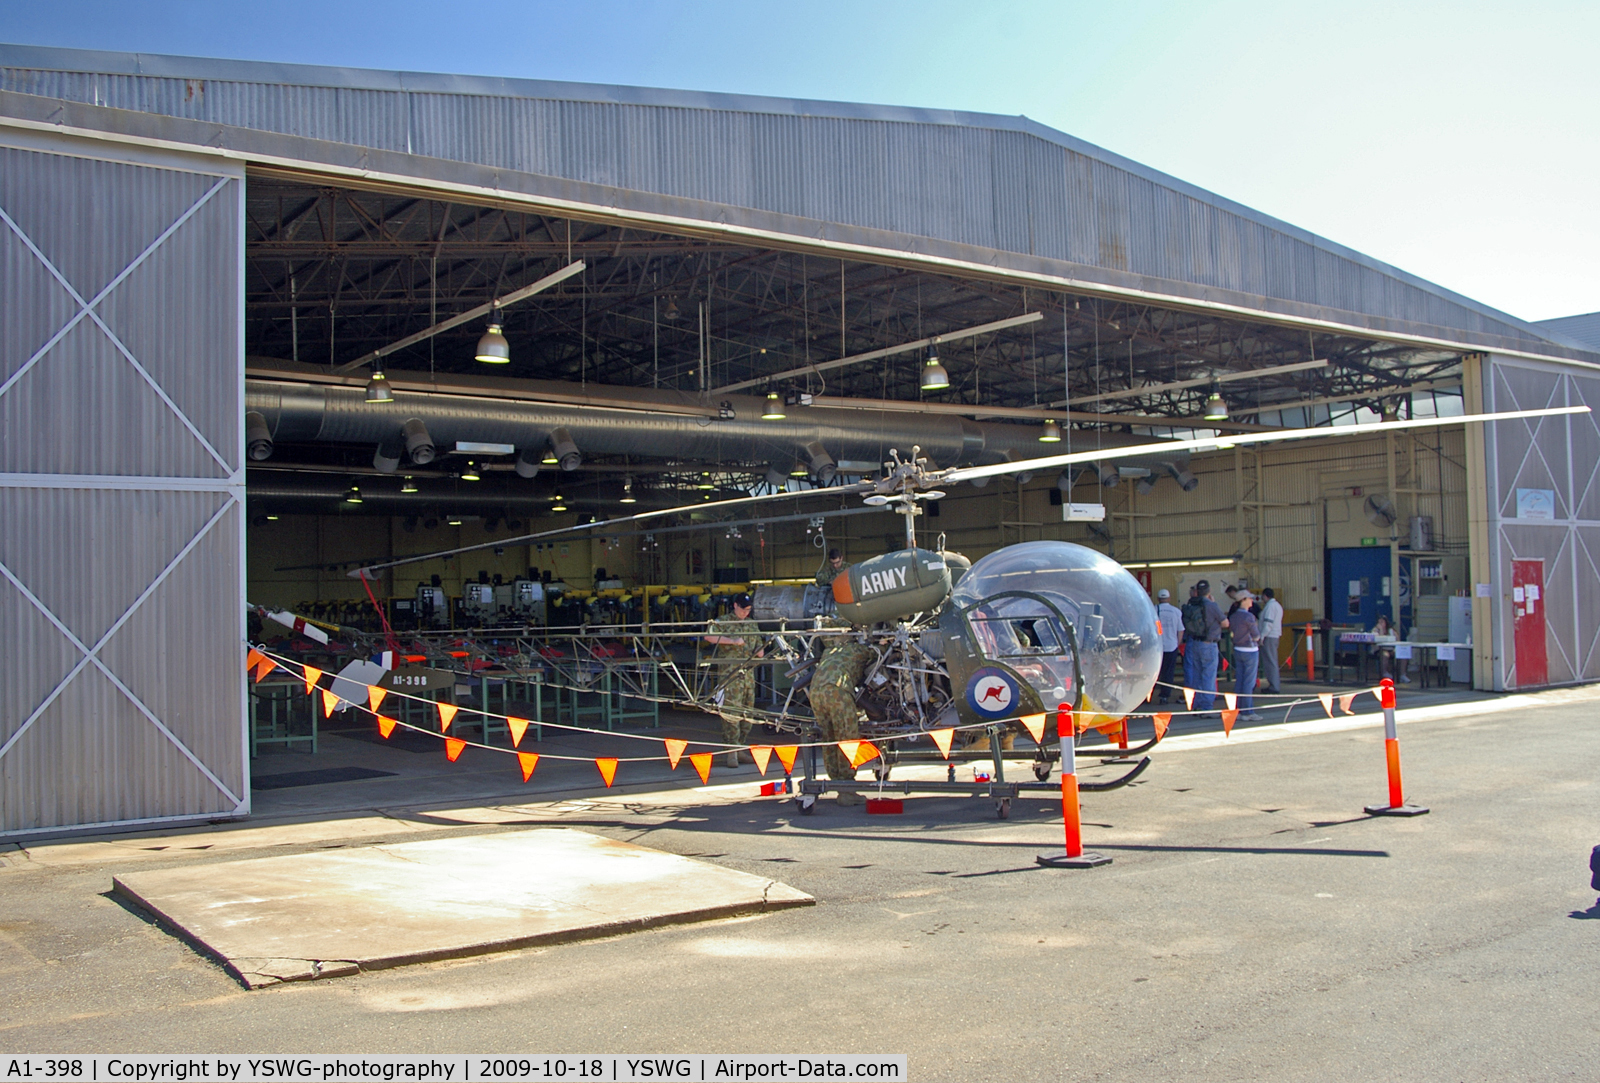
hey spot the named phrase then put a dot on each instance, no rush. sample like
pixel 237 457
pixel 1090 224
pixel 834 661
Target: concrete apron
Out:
pixel 319 915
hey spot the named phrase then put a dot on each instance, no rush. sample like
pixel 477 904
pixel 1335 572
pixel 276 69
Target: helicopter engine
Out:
pixel 892 586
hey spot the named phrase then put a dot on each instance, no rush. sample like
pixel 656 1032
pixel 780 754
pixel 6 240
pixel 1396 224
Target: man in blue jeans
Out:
pixel 1202 628
pixel 1246 654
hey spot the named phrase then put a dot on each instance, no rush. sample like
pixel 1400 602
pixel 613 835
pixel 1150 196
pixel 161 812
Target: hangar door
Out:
pixel 121 486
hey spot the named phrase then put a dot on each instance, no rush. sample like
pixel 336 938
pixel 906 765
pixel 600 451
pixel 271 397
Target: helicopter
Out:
pixel 980 648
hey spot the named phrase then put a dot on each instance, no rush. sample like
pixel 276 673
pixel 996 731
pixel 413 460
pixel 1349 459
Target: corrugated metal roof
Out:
pixel 993 183
pixel 1581 330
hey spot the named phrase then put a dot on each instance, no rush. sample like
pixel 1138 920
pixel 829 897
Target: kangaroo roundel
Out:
pixel 992 693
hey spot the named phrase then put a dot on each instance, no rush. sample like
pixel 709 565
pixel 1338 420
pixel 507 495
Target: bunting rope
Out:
pixel 859 752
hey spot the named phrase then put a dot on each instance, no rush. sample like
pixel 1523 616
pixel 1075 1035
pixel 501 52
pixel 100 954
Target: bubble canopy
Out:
pixel 1017 599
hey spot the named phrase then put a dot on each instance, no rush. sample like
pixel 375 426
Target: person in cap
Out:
pixel 1170 618
pixel 738 643
pixel 1246 654
pixel 1203 623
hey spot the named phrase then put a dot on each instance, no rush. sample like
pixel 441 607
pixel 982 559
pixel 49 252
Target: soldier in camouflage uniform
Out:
pixel 738 641
pixel 831 568
pixel 833 702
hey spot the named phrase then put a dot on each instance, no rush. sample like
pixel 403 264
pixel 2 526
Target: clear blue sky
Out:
pixel 1459 141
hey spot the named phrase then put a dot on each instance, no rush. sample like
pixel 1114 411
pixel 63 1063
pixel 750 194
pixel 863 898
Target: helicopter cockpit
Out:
pixel 1052 612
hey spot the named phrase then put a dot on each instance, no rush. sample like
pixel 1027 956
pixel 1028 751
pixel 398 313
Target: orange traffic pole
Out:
pixel 1391 748
pixel 1311 661
pixel 1073 857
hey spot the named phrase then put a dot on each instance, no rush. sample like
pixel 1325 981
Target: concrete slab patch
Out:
pixel 306 916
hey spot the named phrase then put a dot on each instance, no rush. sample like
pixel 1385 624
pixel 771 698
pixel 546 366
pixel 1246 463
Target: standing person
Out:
pixel 738 643
pixel 831 568
pixel 1203 623
pixel 832 693
pixel 1246 654
pixel 1170 618
pixel 1271 622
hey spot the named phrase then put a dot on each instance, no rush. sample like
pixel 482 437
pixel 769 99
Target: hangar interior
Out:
pixel 208 263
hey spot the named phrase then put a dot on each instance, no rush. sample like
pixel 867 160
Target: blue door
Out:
pixel 1356 578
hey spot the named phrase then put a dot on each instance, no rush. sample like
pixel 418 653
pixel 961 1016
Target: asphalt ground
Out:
pixel 1254 925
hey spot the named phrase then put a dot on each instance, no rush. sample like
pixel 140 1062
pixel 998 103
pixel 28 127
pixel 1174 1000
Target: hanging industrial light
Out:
pixel 627 491
pixel 378 387
pixel 354 495
pixel 934 376
pixel 705 482
pixel 454 520
pixel 672 312
pixel 1051 433
pixel 493 349
pixel 559 505
pixel 408 486
pixel 1216 408
pixel 774 410
pixel 800 469
pixel 471 472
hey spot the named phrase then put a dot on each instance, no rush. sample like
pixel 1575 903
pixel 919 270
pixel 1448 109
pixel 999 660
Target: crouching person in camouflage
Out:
pixel 833 702
pixel 738 643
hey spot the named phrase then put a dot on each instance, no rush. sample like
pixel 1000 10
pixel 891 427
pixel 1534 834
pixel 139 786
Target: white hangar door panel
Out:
pixel 121 486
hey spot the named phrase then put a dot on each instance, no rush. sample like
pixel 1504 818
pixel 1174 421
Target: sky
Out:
pixel 1458 141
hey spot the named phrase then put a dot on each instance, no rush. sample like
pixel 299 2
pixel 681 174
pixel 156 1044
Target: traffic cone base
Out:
pixel 1086 860
pixel 1407 809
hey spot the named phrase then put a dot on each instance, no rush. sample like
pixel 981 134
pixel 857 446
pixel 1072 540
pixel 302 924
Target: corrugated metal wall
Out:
pixel 1005 186
pixel 1561 454
pixel 121 487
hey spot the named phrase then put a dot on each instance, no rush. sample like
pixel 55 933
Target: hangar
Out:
pixel 587 298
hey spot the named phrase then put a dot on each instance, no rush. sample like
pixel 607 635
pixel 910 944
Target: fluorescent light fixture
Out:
pixel 478 447
pixel 272 518
pixel 1169 564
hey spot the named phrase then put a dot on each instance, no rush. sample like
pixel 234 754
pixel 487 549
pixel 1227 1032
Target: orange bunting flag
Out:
pixel 313 675
pixel 452 748
pixel 1231 699
pixel 1327 702
pixel 1228 719
pixel 942 738
pixel 849 749
pixel 762 754
pixel 608 769
pixel 702 765
pixel 527 761
pixel 253 659
pixel 517 726
pixel 267 666
pixel 1347 703
pixel 375 697
pixel 675 751
pixel 1034 724
pixel 1188 698
pixel 385 726
pixel 329 702
pixel 786 755
pixel 865 751
pixel 1377 693
pixel 1163 720
pixel 447 715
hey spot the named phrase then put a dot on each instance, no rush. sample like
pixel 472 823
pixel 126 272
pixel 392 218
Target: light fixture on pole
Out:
pixel 471 472
pixel 1051 433
pixel 1216 408
pixel 493 349
pixel 774 411
pixel 378 387
pixel 627 491
pixel 934 376
pixel 408 486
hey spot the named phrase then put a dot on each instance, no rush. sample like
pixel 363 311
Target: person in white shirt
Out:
pixel 1271 621
pixel 1171 619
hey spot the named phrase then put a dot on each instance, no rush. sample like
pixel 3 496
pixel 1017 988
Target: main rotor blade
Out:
pixel 1167 447
pixel 625 521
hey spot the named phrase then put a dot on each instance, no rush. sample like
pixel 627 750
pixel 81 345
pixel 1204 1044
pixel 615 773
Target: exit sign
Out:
pixel 1369 541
